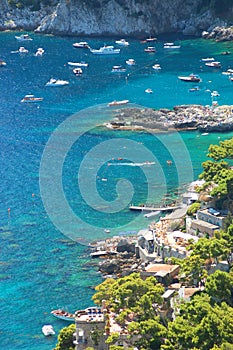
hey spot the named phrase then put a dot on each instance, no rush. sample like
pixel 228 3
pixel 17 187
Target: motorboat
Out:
pixel 130 62
pixel 149 91
pixel 150 49
pixel 107 230
pixel 78 64
pixel 81 45
pixel 23 37
pixel 215 93
pixel 156 66
pixel 214 64
pixel 105 50
pixel 56 82
pixel 22 50
pixel 39 52
pixel 118 103
pixel 77 71
pixel 171 46
pixel 118 69
pixel 193 78
pixel 208 59
pixel 122 42
pixel 48 330
pixel 195 88
pixel 2 63
pixel 31 99
pixel 150 39
pixel 63 315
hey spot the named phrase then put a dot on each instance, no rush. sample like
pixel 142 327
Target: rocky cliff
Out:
pixel 111 17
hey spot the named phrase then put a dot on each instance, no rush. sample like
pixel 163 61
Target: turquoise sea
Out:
pixel 63 180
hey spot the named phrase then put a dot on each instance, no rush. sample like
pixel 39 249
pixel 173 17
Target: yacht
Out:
pixel 78 64
pixel 130 62
pixel 122 42
pixel 81 45
pixel 56 82
pixel 48 330
pixel 105 50
pixel 31 98
pixel 193 78
pixel 23 37
pixel 118 69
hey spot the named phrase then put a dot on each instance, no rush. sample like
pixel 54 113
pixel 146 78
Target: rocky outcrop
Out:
pixel 191 117
pixel 111 17
pixel 219 34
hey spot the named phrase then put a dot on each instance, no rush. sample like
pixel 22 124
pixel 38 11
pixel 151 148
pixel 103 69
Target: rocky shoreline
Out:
pixel 183 117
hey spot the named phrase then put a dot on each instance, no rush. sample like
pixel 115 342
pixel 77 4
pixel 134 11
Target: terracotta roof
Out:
pixel 161 267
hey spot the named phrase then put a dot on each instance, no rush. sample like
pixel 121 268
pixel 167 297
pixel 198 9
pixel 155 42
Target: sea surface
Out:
pixel 64 180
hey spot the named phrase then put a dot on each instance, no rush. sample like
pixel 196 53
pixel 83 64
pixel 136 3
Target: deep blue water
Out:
pixel 61 177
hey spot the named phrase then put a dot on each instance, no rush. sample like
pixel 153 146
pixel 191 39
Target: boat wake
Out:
pixel 131 164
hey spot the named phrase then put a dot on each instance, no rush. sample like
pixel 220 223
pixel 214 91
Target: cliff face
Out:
pixel 111 17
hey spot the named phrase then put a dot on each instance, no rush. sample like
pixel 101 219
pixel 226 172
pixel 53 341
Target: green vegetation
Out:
pixel 218 173
pixel 65 338
pixel 193 208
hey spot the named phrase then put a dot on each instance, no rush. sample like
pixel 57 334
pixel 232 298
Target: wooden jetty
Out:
pixel 150 209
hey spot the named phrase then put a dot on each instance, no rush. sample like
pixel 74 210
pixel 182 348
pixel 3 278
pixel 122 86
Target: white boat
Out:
pixel 156 66
pixel 22 50
pixel 118 103
pixel 149 91
pixel 193 78
pixel 195 88
pixel 31 99
pixel 215 93
pixel 122 42
pixel 78 64
pixel 107 230
pixel 130 62
pixel 48 330
pixel 150 39
pixel 77 71
pixel 214 64
pixel 23 37
pixel 39 52
pixel 118 69
pixel 56 82
pixel 2 63
pixel 63 315
pixel 171 46
pixel 208 59
pixel 105 50
pixel 150 49
pixel 81 45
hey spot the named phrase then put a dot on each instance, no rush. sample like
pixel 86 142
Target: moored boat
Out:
pixel 105 50
pixel 48 330
pixel 193 78
pixel 118 69
pixel 214 64
pixel 130 62
pixel 23 37
pixel 31 98
pixel 150 49
pixel 77 71
pixel 156 66
pixel 2 63
pixel 63 315
pixel 78 64
pixel 22 50
pixel 81 45
pixel 149 91
pixel 118 103
pixel 207 59
pixel 56 82
pixel 39 52
pixel 122 42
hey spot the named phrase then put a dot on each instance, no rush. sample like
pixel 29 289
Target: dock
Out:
pixel 150 209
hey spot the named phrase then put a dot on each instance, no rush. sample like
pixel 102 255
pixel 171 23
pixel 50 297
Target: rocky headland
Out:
pixel 109 17
pixel 184 117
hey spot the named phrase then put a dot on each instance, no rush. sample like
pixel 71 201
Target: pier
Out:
pixel 150 209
